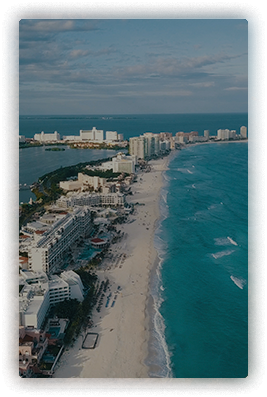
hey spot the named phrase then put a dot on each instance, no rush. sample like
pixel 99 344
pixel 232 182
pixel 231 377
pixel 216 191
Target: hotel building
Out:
pixel 137 147
pixel 38 292
pixel 92 135
pixel 111 136
pixel 48 252
pixel 54 137
pixel 243 132
pixel 93 199
pixel 146 145
pixel 123 163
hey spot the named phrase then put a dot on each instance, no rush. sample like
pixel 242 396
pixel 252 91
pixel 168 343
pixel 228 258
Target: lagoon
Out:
pixel 36 161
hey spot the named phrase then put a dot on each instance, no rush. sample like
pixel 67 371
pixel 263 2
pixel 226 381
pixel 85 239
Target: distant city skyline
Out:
pixel 132 66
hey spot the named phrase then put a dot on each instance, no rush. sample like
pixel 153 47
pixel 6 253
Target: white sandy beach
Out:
pixel 123 329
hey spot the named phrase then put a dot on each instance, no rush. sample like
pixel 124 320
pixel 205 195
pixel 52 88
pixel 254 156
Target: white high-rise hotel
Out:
pixel 92 135
pixel 146 145
pixel 46 254
pixel 243 132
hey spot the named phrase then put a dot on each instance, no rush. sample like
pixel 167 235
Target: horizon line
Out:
pixel 127 114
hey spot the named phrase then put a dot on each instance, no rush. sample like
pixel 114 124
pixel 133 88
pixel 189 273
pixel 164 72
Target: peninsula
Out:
pixel 86 256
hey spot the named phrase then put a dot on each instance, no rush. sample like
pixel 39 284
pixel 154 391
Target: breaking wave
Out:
pixel 240 282
pixel 222 253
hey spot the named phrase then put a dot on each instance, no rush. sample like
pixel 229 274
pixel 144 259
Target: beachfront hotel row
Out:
pixel 144 146
pixel 48 245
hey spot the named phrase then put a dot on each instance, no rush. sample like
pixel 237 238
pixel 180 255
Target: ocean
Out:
pixel 200 287
pixel 201 294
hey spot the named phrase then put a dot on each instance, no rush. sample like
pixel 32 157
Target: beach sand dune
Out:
pixel 123 326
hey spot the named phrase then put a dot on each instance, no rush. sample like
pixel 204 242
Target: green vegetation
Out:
pixel 109 174
pixel 27 210
pixel 47 189
pixel 99 146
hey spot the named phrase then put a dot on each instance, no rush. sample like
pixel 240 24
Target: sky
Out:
pixel 133 66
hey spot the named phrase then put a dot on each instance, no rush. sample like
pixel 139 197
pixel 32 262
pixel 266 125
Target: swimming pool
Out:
pixel 54 331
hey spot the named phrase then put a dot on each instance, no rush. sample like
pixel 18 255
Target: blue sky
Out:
pixel 113 66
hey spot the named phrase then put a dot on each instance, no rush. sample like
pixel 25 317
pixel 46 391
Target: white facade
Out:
pixel 93 199
pixel 123 163
pixel 22 138
pixel 94 181
pixel 47 253
pixel 70 185
pixel 137 147
pixel 54 137
pixel 92 135
pixel 75 285
pixel 222 134
pixel 243 132
pixel 111 136
pixel 99 135
pixel 33 304
pixel 87 135
pixel 39 293
pixel 74 138
pixel 58 290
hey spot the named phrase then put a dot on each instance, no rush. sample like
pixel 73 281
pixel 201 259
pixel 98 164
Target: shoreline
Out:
pixel 128 346
pixel 122 350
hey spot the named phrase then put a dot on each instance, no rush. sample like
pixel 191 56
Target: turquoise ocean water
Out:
pixel 200 288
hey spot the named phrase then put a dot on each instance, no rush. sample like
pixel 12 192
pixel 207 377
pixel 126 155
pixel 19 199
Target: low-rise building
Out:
pixel 91 199
pixel 32 345
pixel 70 185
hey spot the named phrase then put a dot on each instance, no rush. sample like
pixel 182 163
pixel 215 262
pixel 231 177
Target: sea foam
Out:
pixel 224 241
pixel 222 253
pixel 240 282
pixel 232 241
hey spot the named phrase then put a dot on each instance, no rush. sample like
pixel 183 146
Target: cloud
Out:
pixel 203 84
pixel 236 89
pixel 78 53
pixel 175 67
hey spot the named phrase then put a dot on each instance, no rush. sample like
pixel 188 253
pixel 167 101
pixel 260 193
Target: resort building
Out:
pixel 137 147
pixel 92 135
pixel 91 181
pixel 91 199
pixel 233 134
pixel 33 304
pixel 38 292
pixel 243 132
pixel 72 138
pixel 145 146
pixel 111 136
pixel 22 139
pixel 123 163
pixel 48 252
pixel 54 137
pixel 207 134
pixel 70 185
pixel 84 181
